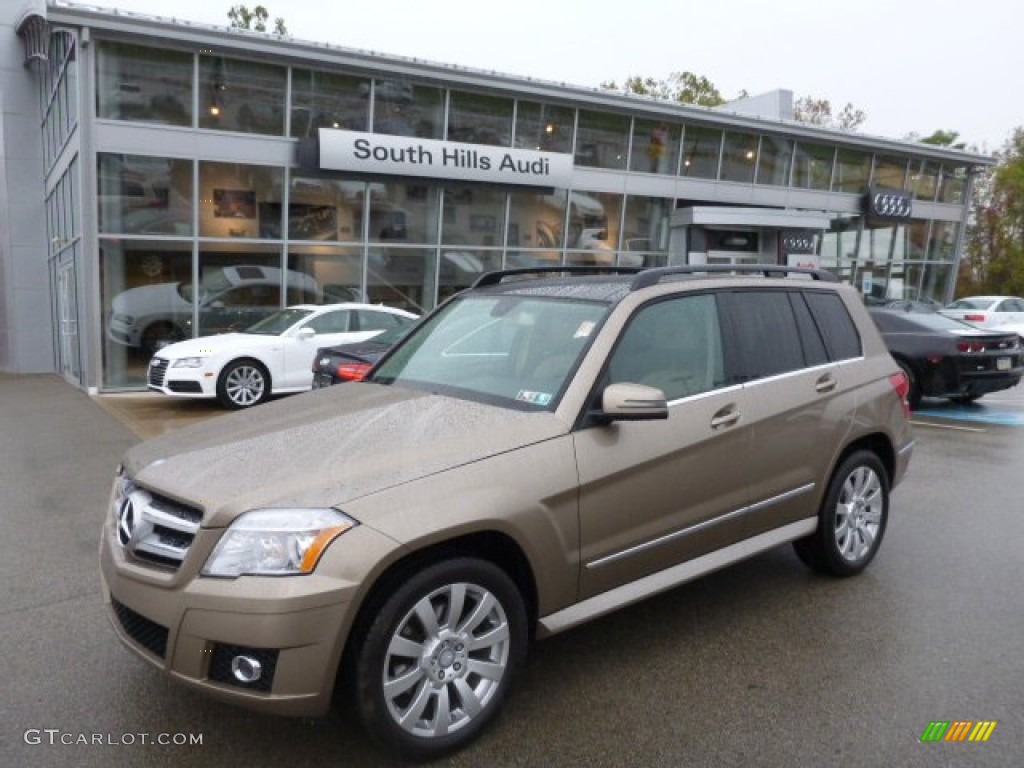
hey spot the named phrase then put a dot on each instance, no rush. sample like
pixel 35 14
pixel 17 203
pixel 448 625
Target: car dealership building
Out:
pixel 156 174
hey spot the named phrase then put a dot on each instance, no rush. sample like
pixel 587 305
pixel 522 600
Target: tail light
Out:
pixel 971 346
pixel 974 318
pixel 352 371
pixel 901 384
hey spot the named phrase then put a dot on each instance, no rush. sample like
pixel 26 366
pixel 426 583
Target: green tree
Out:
pixel 993 260
pixel 938 138
pixel 256 19
pixel 815 111
pixel 684 87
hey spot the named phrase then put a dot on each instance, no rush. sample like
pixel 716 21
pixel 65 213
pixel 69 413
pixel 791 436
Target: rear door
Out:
pixel 799 399
pixel 656 493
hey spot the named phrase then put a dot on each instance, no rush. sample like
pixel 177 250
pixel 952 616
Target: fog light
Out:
pixel 246 669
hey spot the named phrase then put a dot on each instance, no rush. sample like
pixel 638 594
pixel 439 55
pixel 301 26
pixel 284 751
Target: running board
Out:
pixel 638 590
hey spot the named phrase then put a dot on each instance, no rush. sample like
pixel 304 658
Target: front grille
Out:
pixel 220 666
pixel 154 528
pixel 157 371
pixel 148 634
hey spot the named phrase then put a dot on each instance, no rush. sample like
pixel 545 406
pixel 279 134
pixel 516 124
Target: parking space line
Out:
pixel 933 425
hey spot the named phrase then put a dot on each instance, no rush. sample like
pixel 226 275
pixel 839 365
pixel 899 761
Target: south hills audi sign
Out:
pixel 376 154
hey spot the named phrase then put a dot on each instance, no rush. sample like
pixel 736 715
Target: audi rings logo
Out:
pixel 889 204
pixel 125 522
pixel 798 242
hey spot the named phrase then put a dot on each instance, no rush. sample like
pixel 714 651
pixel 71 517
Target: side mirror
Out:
pixel 305 332
pixel 633 402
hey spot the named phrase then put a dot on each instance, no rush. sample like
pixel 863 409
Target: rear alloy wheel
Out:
pixel 438 660
pixel 242 384
pixel 852 519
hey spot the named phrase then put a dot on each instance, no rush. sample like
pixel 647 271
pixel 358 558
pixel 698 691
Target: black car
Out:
pixel 943 357
pixel 351 362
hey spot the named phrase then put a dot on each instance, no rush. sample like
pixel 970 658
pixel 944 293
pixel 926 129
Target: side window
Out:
pixel 674 345
pixel 251 296
pixel 835 324
pixel 375 321
pixel 767 340
pixel 814 347
pixel 331 322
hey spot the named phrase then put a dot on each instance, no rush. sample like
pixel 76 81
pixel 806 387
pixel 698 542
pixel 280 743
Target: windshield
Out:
pixel 971 304
pixel 517 351
pixel 277 323
pixel 213 282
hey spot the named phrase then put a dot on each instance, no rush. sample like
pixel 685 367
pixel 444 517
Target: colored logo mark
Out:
pixel 958 730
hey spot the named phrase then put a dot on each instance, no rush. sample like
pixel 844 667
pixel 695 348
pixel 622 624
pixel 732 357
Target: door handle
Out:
pixel 826 383
pixel 726 417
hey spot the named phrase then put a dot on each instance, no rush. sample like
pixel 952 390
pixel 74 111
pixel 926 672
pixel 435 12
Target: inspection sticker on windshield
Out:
pixel 534 398
pixel 585 329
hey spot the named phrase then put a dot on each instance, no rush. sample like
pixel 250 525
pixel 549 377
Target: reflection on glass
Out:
pixel 936 281
pixel 602 140
pixel 238 200
pixel 655 146
pixel 401 108
pixel 404 212
pixel 537 220
pixel 402 277
pixel 739 157
pixel 701 148
pixel 942 243
pixel 473 216
pixel 773 161
pixel 924 179
pixel 852 170
pixel 140 195
pixel 240 284
pixel 335 274
pixel 146 304
pixel 145 84
pixel 477 119
pixel 328 100
pixel 646 229
pixel 544 127
pixel 812 167
pixel 890 172
pixel 952 183
pixel 594 226
pixel 911 241
pixel 460 268
pixel 328 209
pixel 241 95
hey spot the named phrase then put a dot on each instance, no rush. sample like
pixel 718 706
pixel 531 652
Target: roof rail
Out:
pixel 493 278
pixel 649 277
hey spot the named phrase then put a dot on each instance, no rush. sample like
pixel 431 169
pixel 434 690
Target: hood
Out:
pixel 150 299
pixel 327 447
pixel 218 343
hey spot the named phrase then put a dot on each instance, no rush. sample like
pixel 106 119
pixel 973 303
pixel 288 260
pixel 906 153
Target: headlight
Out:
pixel 189 362
pixel 123 319
pixel 276 542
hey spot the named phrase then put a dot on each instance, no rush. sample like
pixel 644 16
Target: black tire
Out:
pixel 852 519
pixel 243 384
pixel 914 393
pixel 158 335
pixel 440 668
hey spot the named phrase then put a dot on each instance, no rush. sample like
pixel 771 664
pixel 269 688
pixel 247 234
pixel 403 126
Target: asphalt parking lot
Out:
pixel 762 664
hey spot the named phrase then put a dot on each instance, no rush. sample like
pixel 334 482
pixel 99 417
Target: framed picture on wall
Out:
pixel 234 204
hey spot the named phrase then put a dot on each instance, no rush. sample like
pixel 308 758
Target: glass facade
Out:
pixel 199 245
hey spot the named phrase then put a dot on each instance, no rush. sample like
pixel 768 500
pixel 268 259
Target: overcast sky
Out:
pixel 911 65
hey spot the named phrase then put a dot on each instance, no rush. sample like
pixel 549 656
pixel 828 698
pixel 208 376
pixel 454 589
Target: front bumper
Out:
pixel 192 626
pixel 162 376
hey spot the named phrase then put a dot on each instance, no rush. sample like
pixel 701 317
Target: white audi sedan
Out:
pixel 1001 313
pixel 272 357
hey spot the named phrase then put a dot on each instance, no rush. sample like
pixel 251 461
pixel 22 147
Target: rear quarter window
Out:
pixel 837 327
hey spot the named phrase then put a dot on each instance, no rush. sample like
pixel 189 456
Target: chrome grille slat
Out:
pixel 157 371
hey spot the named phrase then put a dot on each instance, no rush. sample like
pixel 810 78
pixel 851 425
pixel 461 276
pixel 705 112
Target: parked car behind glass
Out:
pixel 943 357
pixel 271 357
pixel 352 361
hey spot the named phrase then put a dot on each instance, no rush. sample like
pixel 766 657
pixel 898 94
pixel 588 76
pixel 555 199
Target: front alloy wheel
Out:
pixel 243 384
pixel 438 660
pixel 852 518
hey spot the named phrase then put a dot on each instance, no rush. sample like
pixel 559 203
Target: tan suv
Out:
pixel 536 453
